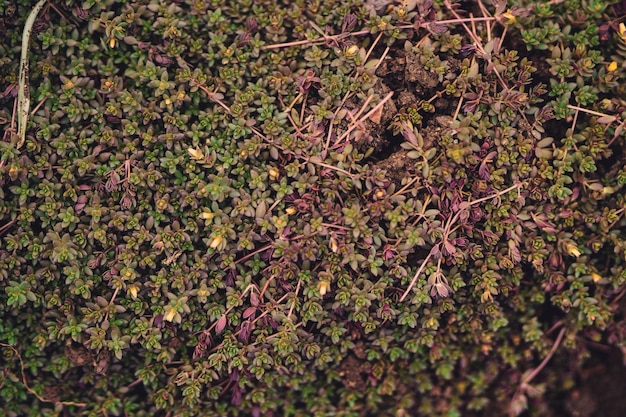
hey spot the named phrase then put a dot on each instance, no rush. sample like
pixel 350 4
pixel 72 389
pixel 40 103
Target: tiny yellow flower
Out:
pixel 195 153
pixel 605 103
pixel 596 277
pixel 323 287
pixel 206 215
pixel 612 66
pixel 510 17
pixel 607 190
pixel 273 173
pixel 112 42
pixel 333 245
pixel 622 30
pixel 217 240
pixel 132 290
pixel 171 313
pixel 351 51
pixel 290 210
pixel 573 250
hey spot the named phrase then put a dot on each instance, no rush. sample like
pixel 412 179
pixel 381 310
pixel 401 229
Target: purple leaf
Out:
pixel 407 133
pixel 448 248
pixel 500 6
pixel 516 256
pixel 483 170
pixel 234 375
pixel 254 299
pixel 235 399
pixel 349 22
pixel 246 329
pixel 249 312
pixel 221 323
pixel 442 290
pixel 437 28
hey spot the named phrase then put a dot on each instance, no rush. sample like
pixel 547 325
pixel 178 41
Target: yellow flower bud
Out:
pixel 132 290
pixel 290 210
pixel 622 30
pixel 572 250
pixel 351 51
pixel 323 287
pixel 273 173
pixel 605 103
pixel 612 66
pixel 333 245
pixel 596 277
pixel 112 42
pixel 195 153
pixel 510 18
pixel 217 240
pixel 169 316
pixel 206 215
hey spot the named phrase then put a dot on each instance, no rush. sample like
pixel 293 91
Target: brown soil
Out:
pixel 601 391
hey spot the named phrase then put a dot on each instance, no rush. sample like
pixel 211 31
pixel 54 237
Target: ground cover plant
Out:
pixel 268 208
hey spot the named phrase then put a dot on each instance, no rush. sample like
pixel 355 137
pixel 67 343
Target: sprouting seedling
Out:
pixel 23 95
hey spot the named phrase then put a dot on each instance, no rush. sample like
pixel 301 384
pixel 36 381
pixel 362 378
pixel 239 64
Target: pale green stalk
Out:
pixel 23 97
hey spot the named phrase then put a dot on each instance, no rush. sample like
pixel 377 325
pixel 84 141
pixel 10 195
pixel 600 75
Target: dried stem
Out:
pixel 451 221
pixel 349 94
pixel 266 285
pixel 529 377
pixel 316 40
pixel 418 273
pixel 250 255
pixel 5 227
pixel 32 391
pixel 545 361
pixel 117 290
pixel 477 40
pixel 243 294
pixel 23 93
pixel 334 168
pixel 595 113
pixel 362 119
pixel 293 303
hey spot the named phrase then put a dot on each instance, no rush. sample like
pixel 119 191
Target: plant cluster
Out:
pixel 273 207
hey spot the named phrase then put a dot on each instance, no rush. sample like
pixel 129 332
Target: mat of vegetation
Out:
pixel 308 208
